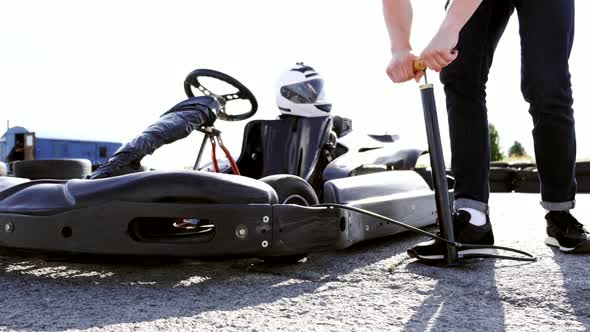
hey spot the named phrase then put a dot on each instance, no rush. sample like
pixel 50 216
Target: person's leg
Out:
pixel 465 82
pixel 547 34
pixel 177 123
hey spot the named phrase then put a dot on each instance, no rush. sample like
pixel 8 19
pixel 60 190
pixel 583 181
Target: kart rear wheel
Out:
pixel 58 169
pixel 290 190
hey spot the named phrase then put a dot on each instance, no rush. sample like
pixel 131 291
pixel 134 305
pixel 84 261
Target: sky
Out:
pixel 106 70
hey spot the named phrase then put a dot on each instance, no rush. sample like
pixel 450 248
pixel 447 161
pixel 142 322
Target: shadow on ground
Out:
pixel 576 283
pixel 40 294
pixel 467 295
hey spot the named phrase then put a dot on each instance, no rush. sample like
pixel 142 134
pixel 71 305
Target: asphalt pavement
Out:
pixel 370 287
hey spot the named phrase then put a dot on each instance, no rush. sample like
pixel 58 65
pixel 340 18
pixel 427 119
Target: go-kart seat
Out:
pixel 48 196
pixel 289 145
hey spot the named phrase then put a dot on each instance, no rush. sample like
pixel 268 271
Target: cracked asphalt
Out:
pixel 372 286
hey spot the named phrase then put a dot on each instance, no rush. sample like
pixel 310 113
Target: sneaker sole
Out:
pixel 583 247
pixel 460 254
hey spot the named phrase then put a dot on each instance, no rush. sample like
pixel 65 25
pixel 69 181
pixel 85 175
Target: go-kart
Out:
pixel 287 167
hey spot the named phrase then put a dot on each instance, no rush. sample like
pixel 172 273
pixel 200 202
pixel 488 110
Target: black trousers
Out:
pixel 546 34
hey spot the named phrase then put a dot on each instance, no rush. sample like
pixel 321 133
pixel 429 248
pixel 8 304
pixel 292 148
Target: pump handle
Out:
pixel 419 65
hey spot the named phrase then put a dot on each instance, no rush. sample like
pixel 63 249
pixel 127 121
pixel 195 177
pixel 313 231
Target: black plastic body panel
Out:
pixel 391 156
pixel 127 228
pixel 47 197
pixel 400 195
pixel 271 230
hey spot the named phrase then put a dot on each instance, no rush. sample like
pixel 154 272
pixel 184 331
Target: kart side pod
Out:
pixel 124 228
pixel 399 195
pixel 119 227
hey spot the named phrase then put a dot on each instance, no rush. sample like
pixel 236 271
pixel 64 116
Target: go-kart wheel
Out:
pixel 192 80
pixel 3 169
pixel 58 169
pixel 290 190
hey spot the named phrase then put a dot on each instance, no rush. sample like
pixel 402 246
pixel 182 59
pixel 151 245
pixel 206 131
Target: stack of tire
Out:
pixel 583 176
pixel 507 177
pixel 503 176
pixel 527 179
pixel 58 169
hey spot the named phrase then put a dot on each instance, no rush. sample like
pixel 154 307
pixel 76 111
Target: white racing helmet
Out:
pixel 300 92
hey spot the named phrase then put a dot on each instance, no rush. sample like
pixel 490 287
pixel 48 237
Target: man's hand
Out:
pixel 401 67
pixel 440 52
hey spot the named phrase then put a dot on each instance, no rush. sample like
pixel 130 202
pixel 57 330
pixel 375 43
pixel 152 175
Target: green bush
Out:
pixel 516 150
pixel 496 152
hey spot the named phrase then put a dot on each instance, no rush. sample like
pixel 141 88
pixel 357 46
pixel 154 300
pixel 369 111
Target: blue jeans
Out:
pixel 546 34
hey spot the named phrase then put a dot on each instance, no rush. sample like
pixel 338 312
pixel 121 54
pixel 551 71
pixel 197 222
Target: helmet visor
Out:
pixel 307 92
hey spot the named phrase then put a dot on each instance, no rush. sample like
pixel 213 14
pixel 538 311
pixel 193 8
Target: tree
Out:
pixel 516 150
pixel 496 153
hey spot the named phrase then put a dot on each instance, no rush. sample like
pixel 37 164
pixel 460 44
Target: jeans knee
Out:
pixel 463 86
pixel 547 92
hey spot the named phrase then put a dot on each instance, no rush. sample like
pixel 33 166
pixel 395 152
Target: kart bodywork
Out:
pixel 134 215
pixel 138 213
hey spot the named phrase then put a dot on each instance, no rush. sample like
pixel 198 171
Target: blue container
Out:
pixel 50 148
pixel 96 152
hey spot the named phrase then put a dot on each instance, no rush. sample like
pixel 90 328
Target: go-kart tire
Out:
pixel 502 179
pixel 522 165
pixel 527 181
pixel 292 189
pixel 58 169
pixel 583 168
pixel 583 183
pixel 3 169
pixel 499 164
pixel 529 187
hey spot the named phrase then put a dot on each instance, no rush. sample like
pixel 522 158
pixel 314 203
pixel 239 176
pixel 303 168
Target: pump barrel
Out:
pixel 439 177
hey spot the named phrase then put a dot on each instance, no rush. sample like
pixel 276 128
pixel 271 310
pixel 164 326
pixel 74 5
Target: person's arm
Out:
pixel 440 52
pixel 398 19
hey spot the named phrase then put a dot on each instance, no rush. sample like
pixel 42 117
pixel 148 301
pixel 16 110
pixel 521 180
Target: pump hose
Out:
pixel 528 257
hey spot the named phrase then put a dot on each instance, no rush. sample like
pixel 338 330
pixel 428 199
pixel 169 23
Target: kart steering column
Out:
pixel 439 179
pixel 212 134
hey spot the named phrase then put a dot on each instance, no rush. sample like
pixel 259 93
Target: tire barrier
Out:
pixel 58 169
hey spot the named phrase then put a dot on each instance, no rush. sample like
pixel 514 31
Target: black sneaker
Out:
pixel 465 233
pixel 566 233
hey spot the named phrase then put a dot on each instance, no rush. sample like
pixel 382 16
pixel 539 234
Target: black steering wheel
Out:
pixel 192 80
